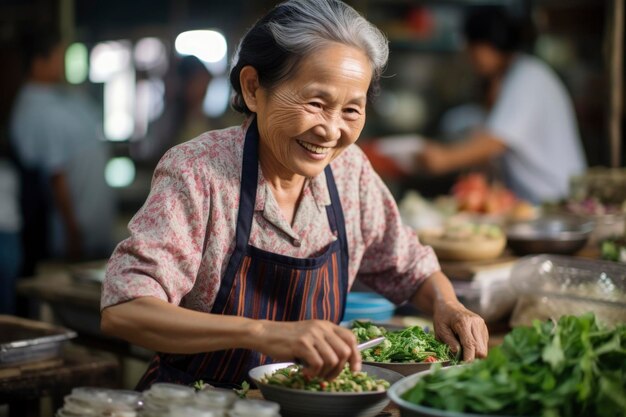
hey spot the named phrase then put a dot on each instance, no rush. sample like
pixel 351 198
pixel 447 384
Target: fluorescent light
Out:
pixel 119 172
pixel 149 104
pixel 107 59
pixel 119 99
pixel 217 97
pixel 150 54
pixel 76 67
pixel 207 45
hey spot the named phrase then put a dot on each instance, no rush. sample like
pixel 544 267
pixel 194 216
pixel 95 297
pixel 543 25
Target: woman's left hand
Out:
pixel 454 323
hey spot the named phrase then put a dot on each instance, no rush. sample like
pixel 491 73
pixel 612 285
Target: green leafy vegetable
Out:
pixel 410 345
pixel 574 368
pixel 200 385
pixel 243 392
pixel 614 250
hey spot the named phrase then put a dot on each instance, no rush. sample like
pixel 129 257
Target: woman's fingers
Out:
pixel 306 352
pixel 322 346
pixel 454 323
pixel 344 347
pixel 481 335
pixel 446 335
pixel 354 358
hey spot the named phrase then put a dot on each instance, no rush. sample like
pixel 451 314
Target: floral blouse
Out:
pixel 181 239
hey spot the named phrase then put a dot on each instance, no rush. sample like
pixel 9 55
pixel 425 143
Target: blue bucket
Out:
pixel 368 306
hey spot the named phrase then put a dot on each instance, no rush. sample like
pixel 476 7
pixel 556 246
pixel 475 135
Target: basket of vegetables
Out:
pixel 406 351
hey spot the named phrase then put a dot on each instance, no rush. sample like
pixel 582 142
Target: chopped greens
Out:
pixel 573 368
pixel 347 381
pixel 242 393
pixel 410 345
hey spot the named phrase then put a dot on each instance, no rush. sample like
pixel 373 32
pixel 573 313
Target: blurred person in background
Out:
pixel 530 126
pixel 10 243
pixel 183 117
pixel 56 134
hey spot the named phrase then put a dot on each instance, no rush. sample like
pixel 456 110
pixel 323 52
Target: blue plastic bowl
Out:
pixel 368 306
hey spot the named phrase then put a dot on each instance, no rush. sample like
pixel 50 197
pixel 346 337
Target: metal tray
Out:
pixel 23 340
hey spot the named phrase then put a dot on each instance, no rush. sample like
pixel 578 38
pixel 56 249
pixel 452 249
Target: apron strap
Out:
pixel 247 198
pixel 338 224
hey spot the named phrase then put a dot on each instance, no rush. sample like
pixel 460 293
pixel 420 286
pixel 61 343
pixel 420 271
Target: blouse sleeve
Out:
pixel 394 262
pixel 162 256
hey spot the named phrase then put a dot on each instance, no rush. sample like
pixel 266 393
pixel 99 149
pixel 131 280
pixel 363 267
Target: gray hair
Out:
pixel 297 28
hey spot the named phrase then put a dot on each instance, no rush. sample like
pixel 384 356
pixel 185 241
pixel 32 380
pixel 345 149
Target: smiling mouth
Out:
pixel 320 150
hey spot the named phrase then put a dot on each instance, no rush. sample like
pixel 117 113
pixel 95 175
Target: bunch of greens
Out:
pixel 410 345
pixel 574 368
pixel 347 381
pixel 614 250
pixel 200 385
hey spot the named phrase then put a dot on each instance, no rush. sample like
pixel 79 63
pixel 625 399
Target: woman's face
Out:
pixel 308 120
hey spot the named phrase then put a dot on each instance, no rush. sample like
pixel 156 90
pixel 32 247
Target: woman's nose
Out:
pixel 330 128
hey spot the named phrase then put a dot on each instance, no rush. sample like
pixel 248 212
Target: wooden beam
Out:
pixel 616 71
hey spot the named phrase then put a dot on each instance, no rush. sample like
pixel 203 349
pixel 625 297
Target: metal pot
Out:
pixel 557 234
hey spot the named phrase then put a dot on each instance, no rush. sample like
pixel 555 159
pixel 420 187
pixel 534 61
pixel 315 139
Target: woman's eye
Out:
pixel 352 111
pixel 315 104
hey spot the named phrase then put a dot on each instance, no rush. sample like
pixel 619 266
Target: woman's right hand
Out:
pixel 322 346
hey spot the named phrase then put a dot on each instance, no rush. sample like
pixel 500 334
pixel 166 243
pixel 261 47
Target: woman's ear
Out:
pixel 249 81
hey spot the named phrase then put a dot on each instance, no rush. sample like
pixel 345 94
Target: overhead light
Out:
pixel 76 67
pixel 217 97
pixel 107 59
pixel 150 53
pixel 208 45
pixel 119 172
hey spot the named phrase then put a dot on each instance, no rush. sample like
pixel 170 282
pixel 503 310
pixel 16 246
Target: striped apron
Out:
pixel 263 285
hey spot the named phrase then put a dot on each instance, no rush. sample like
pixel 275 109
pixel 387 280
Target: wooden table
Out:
pixel 21 386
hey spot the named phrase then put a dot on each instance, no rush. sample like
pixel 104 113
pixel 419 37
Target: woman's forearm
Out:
pixel 157 325
pixel 163 327
pixel 437 288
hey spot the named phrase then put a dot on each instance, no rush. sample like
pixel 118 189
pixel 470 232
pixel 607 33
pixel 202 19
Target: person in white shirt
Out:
pixel 531 125
pixel 10 243
pixel 58 132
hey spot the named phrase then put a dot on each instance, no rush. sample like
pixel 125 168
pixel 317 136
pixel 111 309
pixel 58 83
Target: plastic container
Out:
pixel 215 398
pixel 551 286
pixel 99 402
pixel 158 400
pixel 490 293
pixel 255 408
pixel 193 411
pixel 369 306
pixel 167 391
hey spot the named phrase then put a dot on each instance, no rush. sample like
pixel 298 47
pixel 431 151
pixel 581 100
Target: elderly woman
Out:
pixel 252 236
